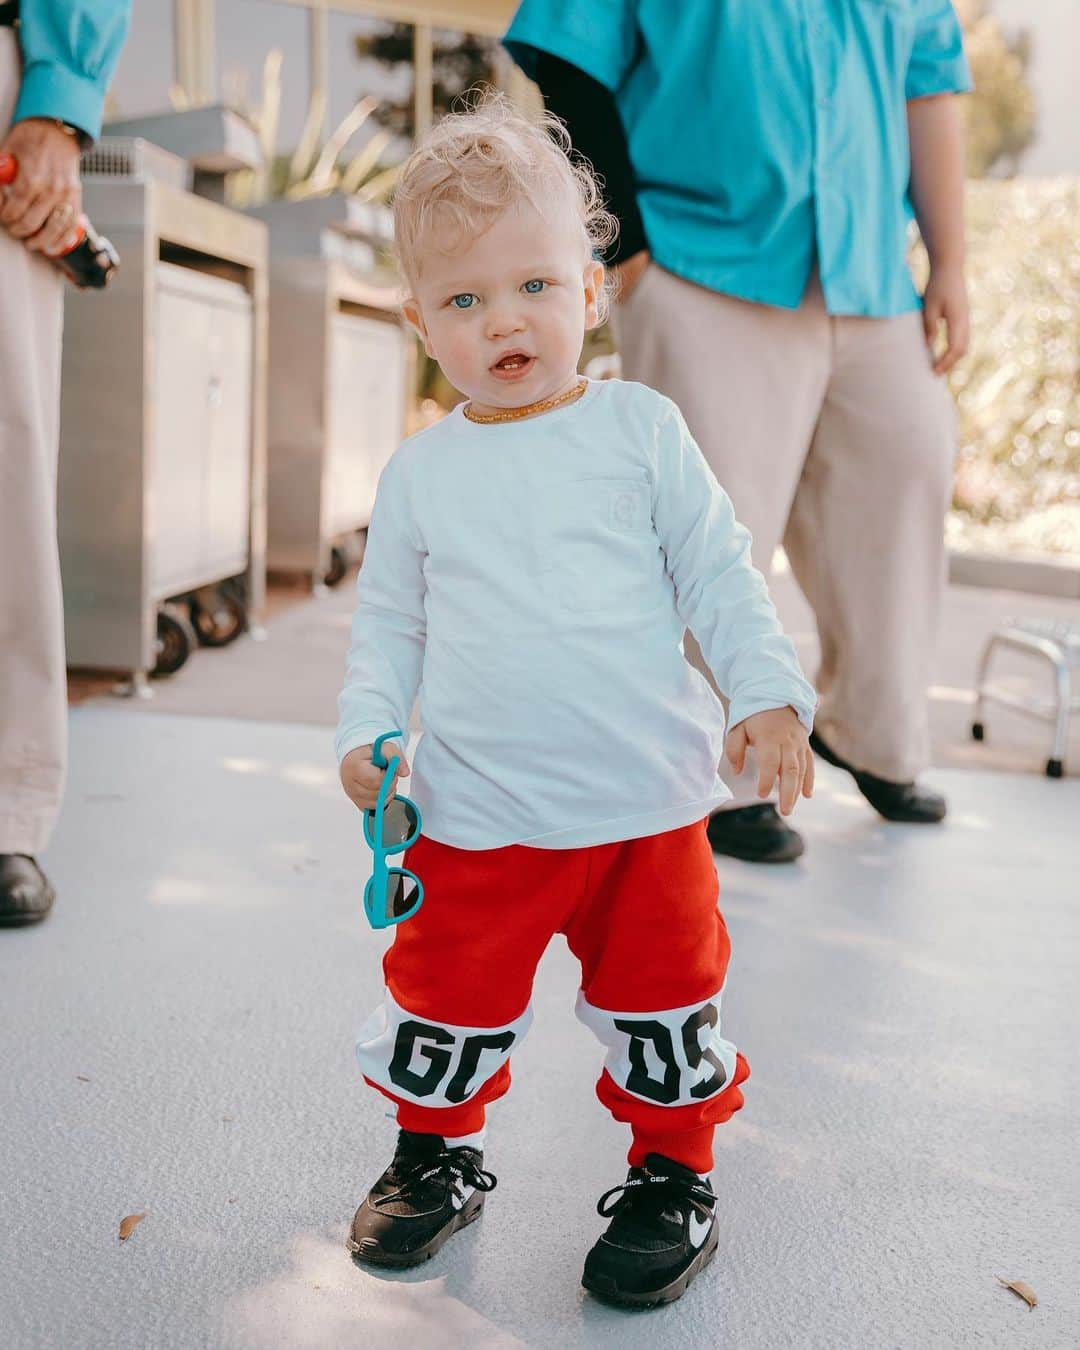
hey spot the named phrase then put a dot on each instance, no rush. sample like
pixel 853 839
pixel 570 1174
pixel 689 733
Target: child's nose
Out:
pixel 501 323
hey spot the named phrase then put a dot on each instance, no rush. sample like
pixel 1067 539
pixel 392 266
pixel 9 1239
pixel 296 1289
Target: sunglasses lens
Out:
pixel 399 824
pixel 403 894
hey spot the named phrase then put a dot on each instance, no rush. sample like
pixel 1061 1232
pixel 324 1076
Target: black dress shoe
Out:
pixel 895 801
pixel 754 834
pixel 25 893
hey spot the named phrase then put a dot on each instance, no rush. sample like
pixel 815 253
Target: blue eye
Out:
pixel 534 287
pixel 463 301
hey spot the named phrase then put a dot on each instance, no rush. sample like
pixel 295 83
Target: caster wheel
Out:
pixel 335 573
pixel 1055 768
pixel 978 731
pixel 219 619
pixel 176 640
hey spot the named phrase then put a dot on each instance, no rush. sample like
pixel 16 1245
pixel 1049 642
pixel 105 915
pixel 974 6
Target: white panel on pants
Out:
pixel 675 1057
pixel 433 1063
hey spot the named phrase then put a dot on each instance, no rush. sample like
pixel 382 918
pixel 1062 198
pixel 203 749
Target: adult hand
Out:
pixel 783 751
pixel 945 301
pixel 629 272
pixel 362 780
pixel 43 205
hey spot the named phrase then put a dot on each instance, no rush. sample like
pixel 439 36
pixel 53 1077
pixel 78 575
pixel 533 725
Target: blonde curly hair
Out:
pixel 478 162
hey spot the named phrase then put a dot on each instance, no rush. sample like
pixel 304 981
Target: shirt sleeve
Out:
pixel 937 64
pixel 69 50
pixel 600 37
pixel 389 627
pixel 720 595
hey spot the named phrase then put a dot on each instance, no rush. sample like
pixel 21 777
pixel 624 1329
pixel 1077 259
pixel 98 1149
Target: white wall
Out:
pixel 1054 27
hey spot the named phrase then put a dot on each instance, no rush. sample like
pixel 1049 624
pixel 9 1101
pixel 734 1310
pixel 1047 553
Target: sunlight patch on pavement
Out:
pixel 177 891
pixel 240 764
pixel 325 1300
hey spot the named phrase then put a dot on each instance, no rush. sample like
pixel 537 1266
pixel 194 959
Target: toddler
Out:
pixel 532 564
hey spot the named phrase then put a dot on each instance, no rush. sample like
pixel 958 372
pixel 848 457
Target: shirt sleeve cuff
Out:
pixel 351 739
pixel 740 711
pixel 951 78
pixel 49 90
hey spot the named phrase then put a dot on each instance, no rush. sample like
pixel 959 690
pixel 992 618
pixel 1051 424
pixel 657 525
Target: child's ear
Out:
pixel 415 318
pixel 594 285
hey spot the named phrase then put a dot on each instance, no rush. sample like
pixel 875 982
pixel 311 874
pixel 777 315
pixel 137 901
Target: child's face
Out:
pixel 505 317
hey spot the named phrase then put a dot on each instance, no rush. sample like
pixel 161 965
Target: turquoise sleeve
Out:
pixel 937 64
pixel 598 36
pixel 69 49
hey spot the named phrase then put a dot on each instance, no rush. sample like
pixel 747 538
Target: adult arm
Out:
pixel 69 50
pixel 596 129
pixel 937 194
pixel 579 52
pixel 938 70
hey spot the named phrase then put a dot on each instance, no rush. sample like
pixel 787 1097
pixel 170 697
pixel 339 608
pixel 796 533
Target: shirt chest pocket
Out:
pixel 600 548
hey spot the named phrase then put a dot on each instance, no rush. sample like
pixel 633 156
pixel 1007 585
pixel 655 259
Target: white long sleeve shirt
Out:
pixel 533 581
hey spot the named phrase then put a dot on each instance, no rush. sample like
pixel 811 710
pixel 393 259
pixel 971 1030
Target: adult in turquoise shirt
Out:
pixel 765 162
pixel 56 57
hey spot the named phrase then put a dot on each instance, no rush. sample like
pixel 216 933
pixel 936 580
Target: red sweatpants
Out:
pixel 640 915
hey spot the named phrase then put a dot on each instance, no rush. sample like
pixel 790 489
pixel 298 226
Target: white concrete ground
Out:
pixel 177 1039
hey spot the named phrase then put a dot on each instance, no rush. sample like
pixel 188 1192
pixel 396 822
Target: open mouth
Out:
pixel 513 365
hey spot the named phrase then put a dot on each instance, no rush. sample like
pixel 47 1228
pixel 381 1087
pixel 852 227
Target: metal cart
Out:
pixel 162 478
pixel 341 365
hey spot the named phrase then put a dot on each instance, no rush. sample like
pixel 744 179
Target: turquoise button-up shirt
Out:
pixel 70 48
pixel 766 135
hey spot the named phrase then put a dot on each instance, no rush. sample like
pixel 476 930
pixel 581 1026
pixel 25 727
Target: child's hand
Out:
pixel 783 751
pixel 362 780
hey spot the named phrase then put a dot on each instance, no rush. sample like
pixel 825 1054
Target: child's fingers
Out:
pixel 360 795
pixel 736 749
pixel 808 774
pixel 401 769
pixel 768 768
pixel 790 781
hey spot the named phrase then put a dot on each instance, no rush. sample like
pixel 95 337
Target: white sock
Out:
pixel 475 1141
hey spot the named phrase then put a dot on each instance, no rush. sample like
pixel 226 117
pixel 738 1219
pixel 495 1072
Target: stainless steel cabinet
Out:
pixel 202 464
pixel 367 402
pixel 341 366
pixel 162 485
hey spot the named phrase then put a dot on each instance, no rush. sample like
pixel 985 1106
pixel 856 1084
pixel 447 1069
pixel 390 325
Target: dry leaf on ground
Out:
pixel 128 1225
pixel 1024 1290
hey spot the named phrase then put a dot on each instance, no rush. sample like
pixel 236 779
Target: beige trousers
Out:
pixel 33 699
pixel 834 437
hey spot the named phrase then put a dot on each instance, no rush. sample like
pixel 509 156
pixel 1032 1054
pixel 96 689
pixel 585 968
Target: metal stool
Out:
pixel 1059 643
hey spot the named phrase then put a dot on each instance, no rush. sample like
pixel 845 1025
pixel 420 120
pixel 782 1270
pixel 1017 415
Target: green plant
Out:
pixel 315 167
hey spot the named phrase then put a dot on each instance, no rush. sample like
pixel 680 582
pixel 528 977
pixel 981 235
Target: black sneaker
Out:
pixel 426 1194
pixel 662 1233
pixel 755 833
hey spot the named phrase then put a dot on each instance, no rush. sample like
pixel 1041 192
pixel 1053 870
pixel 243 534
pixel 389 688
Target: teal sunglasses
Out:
pixel 393 894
